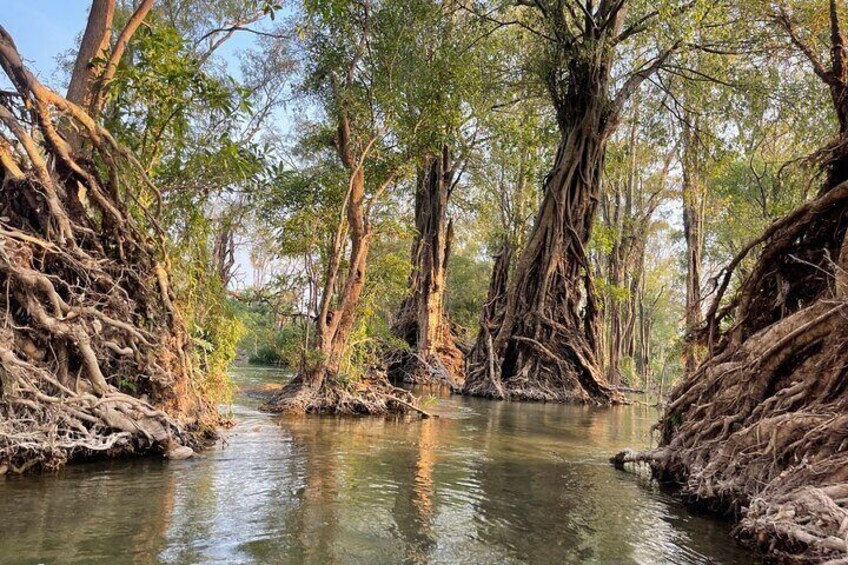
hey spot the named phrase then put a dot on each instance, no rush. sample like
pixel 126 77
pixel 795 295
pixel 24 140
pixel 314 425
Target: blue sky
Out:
pixel 42 29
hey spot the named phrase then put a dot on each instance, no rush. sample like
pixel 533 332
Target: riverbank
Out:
pixel 487 482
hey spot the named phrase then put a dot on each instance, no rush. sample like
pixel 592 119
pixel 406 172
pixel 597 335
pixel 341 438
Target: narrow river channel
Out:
pixel 487 482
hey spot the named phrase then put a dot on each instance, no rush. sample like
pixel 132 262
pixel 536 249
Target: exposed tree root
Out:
pixel 408 367
pixel 314 394
pixel 92 348
pixel 554 363
pixel 761 428
pixel 444 366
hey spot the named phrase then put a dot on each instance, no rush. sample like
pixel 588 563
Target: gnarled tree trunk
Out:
pixel 93 351
pixel 544 346
pixel 422 323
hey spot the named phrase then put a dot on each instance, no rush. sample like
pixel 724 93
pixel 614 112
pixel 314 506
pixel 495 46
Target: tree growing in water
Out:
pixel 543 345
pixel 422 322
pixel 760 426
pixel 443 76
pixel 352 80
pixel 91 324
pixel 114 347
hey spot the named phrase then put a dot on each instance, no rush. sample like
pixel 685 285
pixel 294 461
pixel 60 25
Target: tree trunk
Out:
pixel 545 345
pixel 422 322
pixel 693 231
pixel 224 252
pixel 96 63
pixel 94 47
pixel 612 302
pixel 319 388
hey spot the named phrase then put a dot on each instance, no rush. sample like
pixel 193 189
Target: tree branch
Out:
pixel 635 81
pixel 837 43
pixel 784 21
pixel 129 30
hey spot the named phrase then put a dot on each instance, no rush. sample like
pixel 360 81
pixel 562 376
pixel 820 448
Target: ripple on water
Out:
pixel 488 482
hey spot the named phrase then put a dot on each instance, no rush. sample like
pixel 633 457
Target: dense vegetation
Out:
pixel 542 200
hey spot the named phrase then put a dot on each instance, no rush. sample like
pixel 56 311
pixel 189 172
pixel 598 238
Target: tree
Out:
pixel 545 344
pixel 117 346
pixel 352 80
pixel 694 208
pixel 636 183
pixel 761 422
pixel 92 325
pixel 443 79
pixel 422 321
pixel 97 61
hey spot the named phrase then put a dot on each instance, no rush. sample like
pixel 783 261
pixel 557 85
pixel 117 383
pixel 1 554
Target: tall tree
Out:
pixel 443 80
pixel 693 196
pixel 546 344
pixel 95 354
pixel 97 60
pixel 422 320
pixel 353 81
pixel 635 185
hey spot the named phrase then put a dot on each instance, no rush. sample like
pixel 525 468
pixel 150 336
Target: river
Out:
pixel 487 482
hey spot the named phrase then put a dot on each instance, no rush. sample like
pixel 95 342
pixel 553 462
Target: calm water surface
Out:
pixel 488 482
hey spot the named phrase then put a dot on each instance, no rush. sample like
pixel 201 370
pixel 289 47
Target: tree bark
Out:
pixel 93 50
pixel 545 347
pixel 693 196
pixel 422 322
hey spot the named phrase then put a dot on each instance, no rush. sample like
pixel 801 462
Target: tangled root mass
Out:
pixel 93 351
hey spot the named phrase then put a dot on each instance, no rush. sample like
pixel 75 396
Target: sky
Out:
pixel 42 29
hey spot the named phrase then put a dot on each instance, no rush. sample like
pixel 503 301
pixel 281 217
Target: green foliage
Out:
pixel 182 116
pixel 467 286
pixel 415 76
pixel 267 341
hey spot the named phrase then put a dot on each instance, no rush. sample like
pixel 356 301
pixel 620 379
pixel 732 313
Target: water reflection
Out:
pixel 485 483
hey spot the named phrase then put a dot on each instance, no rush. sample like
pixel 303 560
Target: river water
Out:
pixel 487 482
